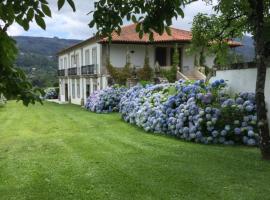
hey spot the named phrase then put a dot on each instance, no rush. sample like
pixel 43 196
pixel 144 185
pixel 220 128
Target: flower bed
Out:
pixel 51 93
pixel 197 112
pixel 104 101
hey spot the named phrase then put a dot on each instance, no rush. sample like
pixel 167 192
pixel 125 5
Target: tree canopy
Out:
pixel 13 81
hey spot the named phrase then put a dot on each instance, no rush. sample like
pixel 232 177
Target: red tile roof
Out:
pixel 129 35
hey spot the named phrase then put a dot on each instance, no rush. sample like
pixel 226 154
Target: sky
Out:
pixel 74 25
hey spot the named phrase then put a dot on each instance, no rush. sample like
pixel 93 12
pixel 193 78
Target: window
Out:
pixel 77 60
pixel 65 62
pixel 87 90
pixel 87 57
pixel 73 89
pixel 61 63
pixel 94 55
pixel 78 89
pixel 161 55
pixel 72 61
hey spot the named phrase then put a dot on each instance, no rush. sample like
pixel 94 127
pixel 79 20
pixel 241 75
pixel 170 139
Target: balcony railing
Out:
pixel 72 71
pixel 61 72
pixel 89 69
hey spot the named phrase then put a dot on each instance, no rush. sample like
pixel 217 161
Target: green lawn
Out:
pixel 64 152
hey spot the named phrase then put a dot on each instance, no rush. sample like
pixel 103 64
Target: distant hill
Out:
pixel 37 57
pixel 247 50
pixel 43 45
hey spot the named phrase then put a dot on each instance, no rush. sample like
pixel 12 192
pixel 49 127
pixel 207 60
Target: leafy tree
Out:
pixel 13 81
pixel 196 62
pixel 234 18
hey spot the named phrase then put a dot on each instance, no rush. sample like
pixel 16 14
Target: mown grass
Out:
pixel 64 152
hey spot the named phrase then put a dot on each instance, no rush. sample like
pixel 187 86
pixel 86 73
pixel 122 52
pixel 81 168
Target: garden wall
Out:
pixel 244 80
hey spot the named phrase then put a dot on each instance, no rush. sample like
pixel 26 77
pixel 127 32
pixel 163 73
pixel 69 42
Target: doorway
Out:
pixel 87 90
pixel 66 92
pixel 161 54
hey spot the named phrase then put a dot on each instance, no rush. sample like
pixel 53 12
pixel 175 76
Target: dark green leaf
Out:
pixel 46 10
pixel 40 21
pixel 92 24
pixel 168 30
pixel 60 4
pixel 151 36
pixel 140 34
pixel 72 5
pixel 134 19
pixel 30 14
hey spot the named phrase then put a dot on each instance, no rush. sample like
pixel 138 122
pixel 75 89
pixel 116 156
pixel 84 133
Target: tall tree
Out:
pixel 13 81
pixel 234 17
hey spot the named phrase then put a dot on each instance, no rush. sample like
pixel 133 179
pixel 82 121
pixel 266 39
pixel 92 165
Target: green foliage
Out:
pixel 144 83
pixel 146 72
pixel 119 75
pixel 39 60
pixel 196 63
pixel 202 58
pixel 13 82
pixel 150 16
pixel 209 36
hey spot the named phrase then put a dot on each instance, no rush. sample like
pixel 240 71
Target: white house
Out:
pixel 82 67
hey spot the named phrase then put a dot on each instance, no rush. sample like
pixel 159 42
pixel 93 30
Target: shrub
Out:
pixel 119 75
pixel 196 112
pixel 107 100
pixel 51 93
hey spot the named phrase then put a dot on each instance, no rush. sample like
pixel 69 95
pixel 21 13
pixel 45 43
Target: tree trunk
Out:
pixel 260 84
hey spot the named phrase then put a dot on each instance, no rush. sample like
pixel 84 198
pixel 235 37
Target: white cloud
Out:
pixel 67 24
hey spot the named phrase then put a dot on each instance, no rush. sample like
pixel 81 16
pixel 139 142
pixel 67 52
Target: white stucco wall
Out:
pixel 188 59
pixel 244 80
pixel 82 81
pixel 118 54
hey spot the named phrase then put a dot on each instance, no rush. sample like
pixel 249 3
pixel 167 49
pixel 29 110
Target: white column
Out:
pixel 105 82
pixel 69 88
pixel 99 53
pixel 81 89
pixel 84 89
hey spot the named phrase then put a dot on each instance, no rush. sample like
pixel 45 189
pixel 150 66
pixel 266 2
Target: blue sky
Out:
pixel 70 25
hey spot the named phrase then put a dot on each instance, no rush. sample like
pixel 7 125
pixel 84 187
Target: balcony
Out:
pixel 61 72
pixel 89 69
pixel 72 71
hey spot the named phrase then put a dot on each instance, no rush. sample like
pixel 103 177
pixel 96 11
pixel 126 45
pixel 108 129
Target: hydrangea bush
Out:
pixel 50 93
pixel 107 100
pixel 196 111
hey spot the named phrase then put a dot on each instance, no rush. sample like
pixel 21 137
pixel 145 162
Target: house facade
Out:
pixel 82 67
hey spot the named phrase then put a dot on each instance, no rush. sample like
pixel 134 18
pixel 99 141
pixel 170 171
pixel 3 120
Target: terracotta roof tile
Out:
pixel 129 34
